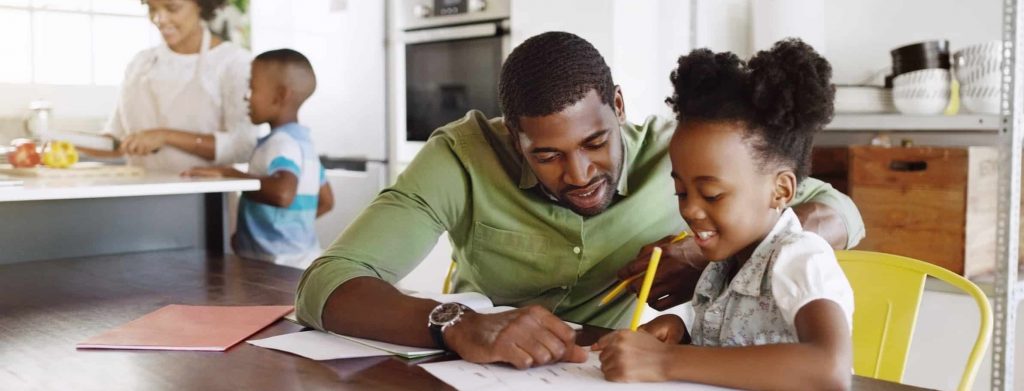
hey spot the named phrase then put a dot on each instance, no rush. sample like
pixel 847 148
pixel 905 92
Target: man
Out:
pixel 543 207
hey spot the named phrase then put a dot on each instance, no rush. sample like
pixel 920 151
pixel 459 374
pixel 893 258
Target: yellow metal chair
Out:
pixel 887 293
pixel 446 287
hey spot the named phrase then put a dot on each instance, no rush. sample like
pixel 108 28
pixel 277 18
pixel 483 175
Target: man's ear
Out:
pixel 282 94
pixel 619 104
pixel 784 190
pixel 513 134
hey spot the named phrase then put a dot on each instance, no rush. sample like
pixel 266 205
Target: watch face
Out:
pixel 445 313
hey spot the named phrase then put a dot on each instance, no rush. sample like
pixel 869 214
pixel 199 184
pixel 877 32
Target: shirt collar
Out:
pixel 750 279
pixel 528 179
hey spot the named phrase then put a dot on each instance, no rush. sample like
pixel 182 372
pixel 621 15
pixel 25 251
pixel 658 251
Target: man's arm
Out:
pixel 349 289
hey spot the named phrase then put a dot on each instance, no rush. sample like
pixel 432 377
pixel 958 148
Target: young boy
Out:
pixel 276 223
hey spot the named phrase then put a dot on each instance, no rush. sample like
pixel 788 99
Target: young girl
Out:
pixel 773 309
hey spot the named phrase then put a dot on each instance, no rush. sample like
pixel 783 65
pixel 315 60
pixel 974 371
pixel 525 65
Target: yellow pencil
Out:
pixel 645 289
pixel 615 292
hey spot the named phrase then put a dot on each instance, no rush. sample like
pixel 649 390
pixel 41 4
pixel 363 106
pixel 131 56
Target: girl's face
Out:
pixel 176 19
pixel 724 194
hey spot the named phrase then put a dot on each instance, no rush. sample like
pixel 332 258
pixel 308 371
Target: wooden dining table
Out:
pixel 46 307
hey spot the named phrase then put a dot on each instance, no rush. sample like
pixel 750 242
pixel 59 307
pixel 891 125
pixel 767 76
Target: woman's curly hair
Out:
pixel 207 8
pixel 783 96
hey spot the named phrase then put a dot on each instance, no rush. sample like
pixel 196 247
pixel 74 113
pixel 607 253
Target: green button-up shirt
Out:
pixel 509 240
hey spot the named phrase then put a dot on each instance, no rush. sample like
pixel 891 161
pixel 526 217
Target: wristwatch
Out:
pixel 442 317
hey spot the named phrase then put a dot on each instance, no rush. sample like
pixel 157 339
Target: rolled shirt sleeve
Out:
pixel 395 232
pixel 813 190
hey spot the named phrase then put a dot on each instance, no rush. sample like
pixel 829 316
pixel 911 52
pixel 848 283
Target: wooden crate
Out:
pixel 913 201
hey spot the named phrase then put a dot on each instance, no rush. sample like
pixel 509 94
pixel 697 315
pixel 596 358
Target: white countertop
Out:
pixel 99 187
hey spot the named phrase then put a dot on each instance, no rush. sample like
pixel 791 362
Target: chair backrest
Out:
pixel 887 293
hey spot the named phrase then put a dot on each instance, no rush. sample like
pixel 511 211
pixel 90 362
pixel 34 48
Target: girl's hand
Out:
pixel 628 356
pixel 143 143
pixel 667 328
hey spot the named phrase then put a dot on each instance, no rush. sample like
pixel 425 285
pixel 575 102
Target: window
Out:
pixel 71 42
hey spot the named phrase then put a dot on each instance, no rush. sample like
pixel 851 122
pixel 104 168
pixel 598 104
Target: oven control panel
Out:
pixel 429 13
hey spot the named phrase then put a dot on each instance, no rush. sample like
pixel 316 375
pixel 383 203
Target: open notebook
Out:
pixel 188 327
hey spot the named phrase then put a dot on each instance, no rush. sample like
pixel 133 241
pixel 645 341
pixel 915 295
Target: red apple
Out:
pixel 24 154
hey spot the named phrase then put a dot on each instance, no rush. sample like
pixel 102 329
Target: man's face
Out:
pixel 577 152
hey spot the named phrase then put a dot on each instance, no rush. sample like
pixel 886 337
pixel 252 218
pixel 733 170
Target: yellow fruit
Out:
pixel 60 154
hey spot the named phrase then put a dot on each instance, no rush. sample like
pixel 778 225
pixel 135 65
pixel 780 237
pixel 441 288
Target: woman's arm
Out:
pixel 149 141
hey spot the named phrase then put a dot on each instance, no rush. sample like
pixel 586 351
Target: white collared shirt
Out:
pixel 788 269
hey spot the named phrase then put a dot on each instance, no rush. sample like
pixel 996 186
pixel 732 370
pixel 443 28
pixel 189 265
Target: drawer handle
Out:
pixel 908 166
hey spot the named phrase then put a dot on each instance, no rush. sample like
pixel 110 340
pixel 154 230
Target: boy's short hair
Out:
pixel 296 70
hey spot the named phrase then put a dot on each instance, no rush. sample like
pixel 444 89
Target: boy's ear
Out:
pixel 784 189
pixel 282 94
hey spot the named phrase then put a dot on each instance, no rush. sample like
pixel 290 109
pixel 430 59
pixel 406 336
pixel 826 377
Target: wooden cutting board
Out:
pixel 78 170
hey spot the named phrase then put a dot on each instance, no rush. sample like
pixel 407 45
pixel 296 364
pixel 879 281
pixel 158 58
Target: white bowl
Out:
pixel 987 73
pixel 919 100
pixel 933 77
pixel 971 55
pixel 981 99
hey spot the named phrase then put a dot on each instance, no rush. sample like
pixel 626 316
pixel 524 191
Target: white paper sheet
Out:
pixel 401 350
pixel 318 346
pixel 563 376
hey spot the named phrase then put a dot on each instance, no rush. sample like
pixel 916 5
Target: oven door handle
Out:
pixel 453 33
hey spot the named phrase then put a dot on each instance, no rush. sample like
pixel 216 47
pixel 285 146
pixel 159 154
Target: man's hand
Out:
pixel 525 337
pixel 680 266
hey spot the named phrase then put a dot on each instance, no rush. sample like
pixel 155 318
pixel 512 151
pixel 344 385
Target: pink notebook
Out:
pixel 189 327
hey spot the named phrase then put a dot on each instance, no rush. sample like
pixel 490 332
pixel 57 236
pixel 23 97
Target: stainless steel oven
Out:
pixel 453 55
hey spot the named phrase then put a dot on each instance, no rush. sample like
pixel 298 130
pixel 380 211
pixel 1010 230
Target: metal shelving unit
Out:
pixel 901 122
pixel 1006 290
pixel 1008 223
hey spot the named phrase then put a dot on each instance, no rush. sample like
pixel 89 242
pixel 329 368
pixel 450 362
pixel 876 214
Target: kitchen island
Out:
pixel 47 218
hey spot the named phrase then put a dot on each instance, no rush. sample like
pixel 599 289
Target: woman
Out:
pixel 182 104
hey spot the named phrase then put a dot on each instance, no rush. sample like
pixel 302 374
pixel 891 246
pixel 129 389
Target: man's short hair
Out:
pixel 549 72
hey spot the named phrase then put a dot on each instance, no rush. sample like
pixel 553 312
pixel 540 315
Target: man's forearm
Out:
pixel 824 221
pixel 368 307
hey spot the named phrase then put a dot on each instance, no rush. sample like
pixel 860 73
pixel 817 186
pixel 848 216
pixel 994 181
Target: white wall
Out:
pixel 344 40
pixel 858 34
pixel 639 39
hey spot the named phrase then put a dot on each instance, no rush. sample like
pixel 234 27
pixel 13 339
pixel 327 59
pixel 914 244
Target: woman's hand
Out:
pixel 143 143
pixel 628 356
pixel 666 328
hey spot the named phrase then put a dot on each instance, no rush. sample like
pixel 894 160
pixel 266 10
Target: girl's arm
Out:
pixel 822 360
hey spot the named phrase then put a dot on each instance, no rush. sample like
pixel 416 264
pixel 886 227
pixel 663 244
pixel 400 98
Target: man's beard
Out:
pixel 610 189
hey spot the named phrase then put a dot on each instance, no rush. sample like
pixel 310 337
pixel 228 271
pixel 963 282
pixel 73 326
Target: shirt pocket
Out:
pixel 513 267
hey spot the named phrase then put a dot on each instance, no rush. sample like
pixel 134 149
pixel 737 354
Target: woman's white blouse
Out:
pixel 201 93
pixel 788 269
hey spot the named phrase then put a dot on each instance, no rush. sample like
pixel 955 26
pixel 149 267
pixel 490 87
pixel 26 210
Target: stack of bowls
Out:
pixel 921 82
pixel 923 92
pixel 978 69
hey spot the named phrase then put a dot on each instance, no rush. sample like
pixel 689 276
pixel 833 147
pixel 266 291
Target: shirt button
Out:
pixel 576 250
